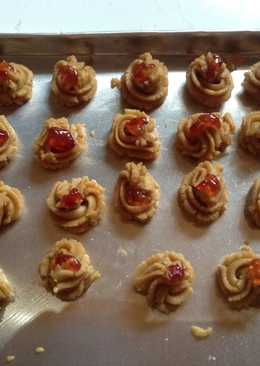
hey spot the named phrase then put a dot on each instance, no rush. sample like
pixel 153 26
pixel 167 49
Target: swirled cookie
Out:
pixel 11 204
pixel 253 203
pixel 204 136
pixel 249 136
pixel 78 204
pixel 67 271
pixel 239 278
pixel 73 82
pixel 165 279
pixel 59 143
pixel 137 193
pixel 8 142
pixel 208 80
pixel 15 83
pixel 251 81
pixel 202 194
pixel 144 85
pixel 6 292
pixel 134 134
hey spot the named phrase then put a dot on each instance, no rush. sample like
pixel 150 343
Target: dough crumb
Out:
pixel 10 358
pixel 39 349
pixel 93 133
pixel 201 333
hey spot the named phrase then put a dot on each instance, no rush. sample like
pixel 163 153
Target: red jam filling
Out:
pixel 67 76
pixel 59 140
pixel 3 137
pixel 205 122
pixel 67 261
pixel 135 126
pixel 142 72
pixel 211 74
pixel 71 200
pixel 175 273
pixel 136 196
pixel 5 68
pixel 254 272
pixel 209 187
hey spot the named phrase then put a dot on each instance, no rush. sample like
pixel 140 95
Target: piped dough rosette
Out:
pixel 134 134
pixel 249 137
pixel 11 204
pixel 144 84
pixel 251 82
pixel 209 81
pixel 73 82
pixel 165 279
pixel 137 193
pixel 60 143
pixel 253 203
pixel 239 278
pixel 77 205
pixel 6 292
pixel 8 142
pixel 202 194
pixel 15 84
pixel 67 271
pixel 204 136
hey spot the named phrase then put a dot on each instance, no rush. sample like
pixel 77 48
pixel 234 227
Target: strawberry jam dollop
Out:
pixel 71 200
pixel 205 122
pixel 136 196
pixel 3 137
pixel 59 140
pixel 254 272
pixel 67 77
pixel 208 188
pixel 135 126
pixel 142 73
pixel 211 74
pixel 5 69
pixel 175 273
pixel 67 261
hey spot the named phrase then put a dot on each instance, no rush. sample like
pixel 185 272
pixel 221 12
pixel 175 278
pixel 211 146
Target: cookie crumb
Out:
pixel 39 349
pixel 201 333
pixel 212 358
pixel 10 358
pixel 93 133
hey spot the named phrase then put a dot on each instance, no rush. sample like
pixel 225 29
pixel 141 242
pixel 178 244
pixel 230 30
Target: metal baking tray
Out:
pixel 112 325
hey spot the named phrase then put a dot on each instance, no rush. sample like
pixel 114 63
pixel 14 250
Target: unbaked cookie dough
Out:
pixel 165 279
pixel 137 193
pixel 249 137
pixel 73 82
pixel 209 81
pixel 239 278
pixel 8 142
pixel 77 205
pixel 202 194
pixel 144 85
pixel 251 81
pixel 204 136
pixel 6 291
pixel 67 271
pixel 11 204
pixel 134 134
pixel 60 143
pixel 253 203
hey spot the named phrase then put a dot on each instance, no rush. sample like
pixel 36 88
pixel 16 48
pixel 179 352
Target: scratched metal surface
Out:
pixel 112 325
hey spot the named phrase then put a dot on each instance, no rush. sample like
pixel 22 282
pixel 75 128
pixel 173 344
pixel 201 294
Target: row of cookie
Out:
pixel 165 278
pixel 144 85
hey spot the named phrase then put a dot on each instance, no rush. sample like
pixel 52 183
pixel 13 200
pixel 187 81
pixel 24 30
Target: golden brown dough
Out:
pixel 59 143
pixel 6 291
pixel 77 205
pixel 249 137
pixel 253 203
pixel 208 80
pixel 137 193
pixel 11 204
pixel 135 135
pixel 165 279
pixel 251 82
pixel 204 136
pixel 239 278
pixel 73 82
pixel 202 194
pixel 8 142
pixel 144 85
pixel 15 83
pixel 67 271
